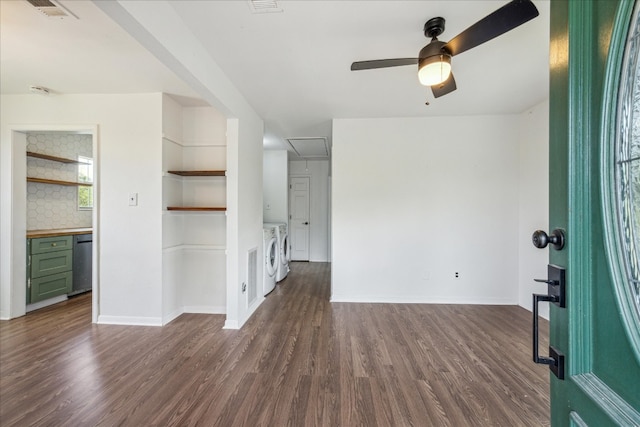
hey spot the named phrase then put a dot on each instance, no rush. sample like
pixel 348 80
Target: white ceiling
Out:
pixel 292 66
pixel 91 54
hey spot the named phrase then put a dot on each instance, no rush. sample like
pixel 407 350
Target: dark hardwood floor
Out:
pixel 299 361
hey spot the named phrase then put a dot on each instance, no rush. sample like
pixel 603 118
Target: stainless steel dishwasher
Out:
pixel 82 254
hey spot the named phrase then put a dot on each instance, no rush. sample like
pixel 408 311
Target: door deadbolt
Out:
pixel 540 239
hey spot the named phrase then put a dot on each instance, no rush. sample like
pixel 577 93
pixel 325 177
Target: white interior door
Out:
pixel 299 218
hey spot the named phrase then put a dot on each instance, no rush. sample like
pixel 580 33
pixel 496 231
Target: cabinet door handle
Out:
pixel 54 244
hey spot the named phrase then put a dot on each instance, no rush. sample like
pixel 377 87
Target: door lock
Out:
pixel 556 284
pixel 540 239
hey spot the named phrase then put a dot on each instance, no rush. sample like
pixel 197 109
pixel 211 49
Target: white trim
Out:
pixel 16 287
pixel 129 320
pixel 234 324
pixel 212 248
pixel 185 145
pixel 205 309
pixel 231 324
pixel 171 139
pixel 393 299
pixel 171 317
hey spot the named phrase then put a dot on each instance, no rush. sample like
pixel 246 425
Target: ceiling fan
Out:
pixel 434 60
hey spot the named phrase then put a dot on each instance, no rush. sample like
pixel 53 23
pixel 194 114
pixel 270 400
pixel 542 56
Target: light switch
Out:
pixel 133 199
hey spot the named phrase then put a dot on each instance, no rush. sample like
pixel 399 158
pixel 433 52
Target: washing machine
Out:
pixel 270 259
pixel 283 249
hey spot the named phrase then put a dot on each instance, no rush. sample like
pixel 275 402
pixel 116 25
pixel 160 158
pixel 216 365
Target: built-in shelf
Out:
pixel 55 158
pixel 196 208
pixel 57 182
pixel 199 173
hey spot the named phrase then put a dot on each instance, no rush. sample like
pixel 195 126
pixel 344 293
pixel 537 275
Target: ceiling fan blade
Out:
pixel 383 63
pixel 445 87
pixel 508 17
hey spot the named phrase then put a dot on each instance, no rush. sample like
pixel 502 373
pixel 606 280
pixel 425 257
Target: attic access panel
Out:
pixel 310 147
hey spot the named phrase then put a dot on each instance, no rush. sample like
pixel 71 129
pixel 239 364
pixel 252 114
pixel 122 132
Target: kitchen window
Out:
pixel 85 174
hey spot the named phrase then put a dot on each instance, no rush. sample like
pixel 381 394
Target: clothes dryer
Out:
pixel 270 259
pixel 283 249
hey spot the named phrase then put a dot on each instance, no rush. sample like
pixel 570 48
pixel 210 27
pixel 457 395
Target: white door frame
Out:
pixel 14 264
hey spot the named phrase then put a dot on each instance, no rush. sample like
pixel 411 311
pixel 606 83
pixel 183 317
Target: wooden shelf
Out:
pixel 199 173
pixel 54 158
pixel 56 182
pixel 196 208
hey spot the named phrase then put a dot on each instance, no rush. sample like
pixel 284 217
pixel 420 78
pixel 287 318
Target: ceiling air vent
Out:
pixel 51 9
pixel 264 6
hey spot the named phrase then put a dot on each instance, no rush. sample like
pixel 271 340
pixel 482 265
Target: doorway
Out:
pixel 299 218
pixel 52 202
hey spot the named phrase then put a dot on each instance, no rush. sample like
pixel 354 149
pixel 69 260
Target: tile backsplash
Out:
pixel 56 206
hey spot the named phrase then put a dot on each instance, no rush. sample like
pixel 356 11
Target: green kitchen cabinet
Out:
pixel 44 245
pixel 50 286
pixel 51 263
pixel 49 267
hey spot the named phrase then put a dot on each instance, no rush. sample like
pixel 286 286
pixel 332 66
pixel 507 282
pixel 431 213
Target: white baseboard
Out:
pixel 171 317
pixel 131 321
pixel 231 324
pixel 388 299
pixel 205 309
pixel 235 324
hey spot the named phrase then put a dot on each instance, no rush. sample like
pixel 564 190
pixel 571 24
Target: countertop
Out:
pixel 58 232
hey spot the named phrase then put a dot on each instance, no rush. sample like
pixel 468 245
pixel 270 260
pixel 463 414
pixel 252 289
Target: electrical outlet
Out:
pixel 457 275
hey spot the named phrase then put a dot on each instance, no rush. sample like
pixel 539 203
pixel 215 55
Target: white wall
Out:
pixel 533 202
pixel 165 35
pixel 275 186
pixel 416 200
pixel 129 160
pixel 248 232
pixel 319 212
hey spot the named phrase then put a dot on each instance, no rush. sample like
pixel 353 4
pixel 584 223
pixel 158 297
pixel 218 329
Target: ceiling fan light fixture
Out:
pixel 434 70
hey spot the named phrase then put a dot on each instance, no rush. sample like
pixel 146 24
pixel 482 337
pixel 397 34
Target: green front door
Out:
pixel 595 198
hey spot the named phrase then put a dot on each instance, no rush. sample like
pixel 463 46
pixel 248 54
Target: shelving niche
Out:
pixel 194 210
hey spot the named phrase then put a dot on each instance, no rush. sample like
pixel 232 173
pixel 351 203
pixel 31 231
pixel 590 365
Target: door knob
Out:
pixel 305 223
pixel 540 239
